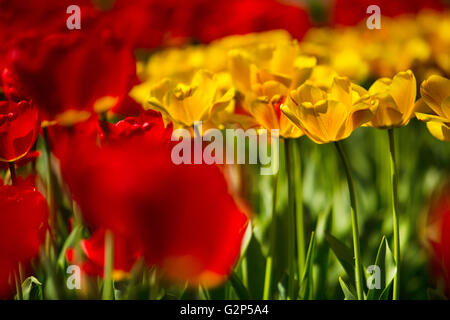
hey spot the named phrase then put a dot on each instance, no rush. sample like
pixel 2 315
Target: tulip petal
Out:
pixel 341 91
pixel 434 90
pixel 439 130
pixel 403 91
pixel 239 66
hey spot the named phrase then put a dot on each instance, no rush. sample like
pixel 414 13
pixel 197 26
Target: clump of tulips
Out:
pixel 87 178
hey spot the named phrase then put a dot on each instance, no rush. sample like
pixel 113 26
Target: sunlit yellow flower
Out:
pixel 181 64
pixel 266 80
pixel 436 94
pixel 183 105
pixel 396 100
pixel 326 116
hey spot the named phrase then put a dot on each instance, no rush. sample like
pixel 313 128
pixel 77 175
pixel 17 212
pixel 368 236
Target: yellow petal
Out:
pixel 222 103
pixel 239 66
pixel 439 130
pixel 403 91
pixel 361 114
pixel 288 129
pixel 273 88
pixel 283 58
pixel 387 114
pixel 263 112
pixel 71 117
pixel 332 120
pixel 380 86
pixel 425 117
pixel 288 110
pixel 308 93
pixel 434 90
pixel 422 107
pixel 202 99
pixel 105 103
pixel 341 91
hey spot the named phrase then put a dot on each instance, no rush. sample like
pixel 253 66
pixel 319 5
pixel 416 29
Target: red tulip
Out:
pixel 182 217
pixel 244 16
pixel 351 12
pixel 22 19
pixel 151 23
pixel 19 128
pixel 126 253
pixel 438 235
pixel 23 222
pixel 71 71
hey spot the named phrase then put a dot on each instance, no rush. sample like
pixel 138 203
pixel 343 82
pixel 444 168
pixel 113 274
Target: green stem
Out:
pixel 291 217
pixel 354 216
pixel 239 288
pixel 273 232
pixel 395 213
pixel 18 286
pixel 108 286
pixel 299 217
pixel 244 271
pixel 12 170
pixel 50 194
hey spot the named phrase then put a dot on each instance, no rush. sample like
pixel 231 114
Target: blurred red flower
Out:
pixel 29 157
pixel 22 19
pixel 438 235
pixel 183 217
pixel 70 71
pixel 23 222
pixel 126 253
pixel 151 23
pixel 351 12
pixel 19 128
pixel 245 16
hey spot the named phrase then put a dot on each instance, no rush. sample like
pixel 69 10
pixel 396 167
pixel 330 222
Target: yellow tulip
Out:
pixel 332 115
pixel 183 105
pixel 266 80
pixel 435 93
pixel 396 100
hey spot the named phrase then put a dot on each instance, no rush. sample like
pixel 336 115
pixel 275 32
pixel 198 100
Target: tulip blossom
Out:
pixel 250 16
pixel 332 115
pixel 436 95
pixel 83 72
pixel 130 186
pixel 19 128
pixel 266 81
pixel 183 105
pixel 126 254
pixel 396 100
pixel 438 237
pixel 23 222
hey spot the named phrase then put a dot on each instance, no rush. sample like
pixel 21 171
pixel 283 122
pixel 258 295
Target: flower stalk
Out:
pixel 273 233
pixel 291 217
pixel 108 289
pixel 395 213
pixel 299 216
pixel 12 170
pixel 354 217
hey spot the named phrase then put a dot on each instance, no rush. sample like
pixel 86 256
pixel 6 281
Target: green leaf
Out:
pixel 387 268
pixel 255 269
pixel 349 292
pixel 70 241
pixel 306 287
pixel 385 294
pixel 343 253
pixel 31 288
pixel 239 287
